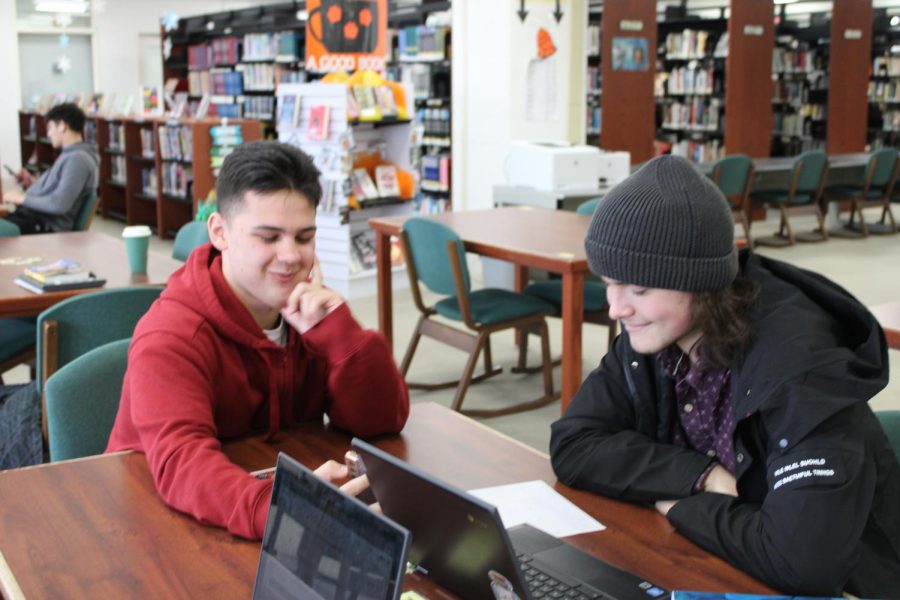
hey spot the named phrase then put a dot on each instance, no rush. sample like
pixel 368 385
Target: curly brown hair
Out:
pixel 725 320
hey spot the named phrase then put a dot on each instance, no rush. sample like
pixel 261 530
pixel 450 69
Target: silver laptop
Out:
pixel 323 544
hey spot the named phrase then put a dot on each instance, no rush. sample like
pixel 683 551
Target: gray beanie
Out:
pixel 666 226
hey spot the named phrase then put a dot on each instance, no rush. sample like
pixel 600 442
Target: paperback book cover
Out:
pixel 386 180
pixel 287 110
pixel 318 122
pixel 363 186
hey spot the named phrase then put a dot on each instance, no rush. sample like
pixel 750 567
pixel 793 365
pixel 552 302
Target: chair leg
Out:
pixel 488 363
pixel 522 365
pixel 786 225
pixel 411 348
pixel 821 219
pixel 466 378
pixel 548 361
pixel 862 220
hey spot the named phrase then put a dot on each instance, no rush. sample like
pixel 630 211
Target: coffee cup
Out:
pixel 137 242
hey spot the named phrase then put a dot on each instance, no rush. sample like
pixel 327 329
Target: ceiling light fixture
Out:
pixel 61 6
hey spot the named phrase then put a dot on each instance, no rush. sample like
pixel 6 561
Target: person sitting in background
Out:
pixel 53 201
pixel 736 398
pixel 244 340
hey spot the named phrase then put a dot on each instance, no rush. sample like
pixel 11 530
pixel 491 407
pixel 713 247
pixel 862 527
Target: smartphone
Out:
pixel 9 169
pixel 356 468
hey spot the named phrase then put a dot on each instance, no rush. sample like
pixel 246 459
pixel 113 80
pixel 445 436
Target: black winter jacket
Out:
pixel 818 507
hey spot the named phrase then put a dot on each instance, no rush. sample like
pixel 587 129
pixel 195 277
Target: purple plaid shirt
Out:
pixel 705 419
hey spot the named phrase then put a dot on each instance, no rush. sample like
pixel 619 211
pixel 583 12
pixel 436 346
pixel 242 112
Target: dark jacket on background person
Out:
pixel 818 507
pixel 59 194
pixel 200 370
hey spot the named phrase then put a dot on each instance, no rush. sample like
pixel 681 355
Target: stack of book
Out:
pixel 58 276
pixel 225 138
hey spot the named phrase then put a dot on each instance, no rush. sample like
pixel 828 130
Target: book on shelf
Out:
pixel 363 186
pixel 150 102
pixel 288 110
pixel 319 117
pixel 387 104
pixel 366 104
pixel 386 180
pixel 362 251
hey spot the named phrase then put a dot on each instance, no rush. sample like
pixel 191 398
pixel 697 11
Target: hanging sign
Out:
pixel 853 34
pixel 346 35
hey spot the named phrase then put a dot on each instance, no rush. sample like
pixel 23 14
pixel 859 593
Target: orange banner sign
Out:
pixel 346 35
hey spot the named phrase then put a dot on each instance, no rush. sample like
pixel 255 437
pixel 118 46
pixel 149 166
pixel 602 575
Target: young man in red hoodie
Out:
pixel 246 340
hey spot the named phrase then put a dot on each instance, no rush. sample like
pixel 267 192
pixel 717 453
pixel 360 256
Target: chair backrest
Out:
pixel 82 401
pixel 86 215
pixel 8 229
pixel 730 173
pixel 882 162
pixel 190 236
pixel 588 206
pixel 77 325
pixel 428 244
pixel 890 422
pixel 809 168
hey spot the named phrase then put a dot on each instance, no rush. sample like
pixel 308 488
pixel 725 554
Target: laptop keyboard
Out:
pixel 541 585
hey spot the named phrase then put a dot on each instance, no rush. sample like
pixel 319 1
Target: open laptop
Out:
pixel 322 544
pixel 460 542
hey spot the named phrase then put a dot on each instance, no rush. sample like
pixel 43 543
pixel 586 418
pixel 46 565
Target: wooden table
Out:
pixel 101 253
pixel 539 238
pixel 96 528
pixel 888 316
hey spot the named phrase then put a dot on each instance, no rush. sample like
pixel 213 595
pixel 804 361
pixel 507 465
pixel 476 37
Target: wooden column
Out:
pixel 627 105
pixel 748 78
pixel 850 62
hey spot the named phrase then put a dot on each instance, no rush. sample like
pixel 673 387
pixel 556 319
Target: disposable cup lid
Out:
pixel 136 231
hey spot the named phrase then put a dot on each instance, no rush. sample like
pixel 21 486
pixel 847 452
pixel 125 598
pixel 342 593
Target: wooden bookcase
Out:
pixel 36 150
pixel 140 199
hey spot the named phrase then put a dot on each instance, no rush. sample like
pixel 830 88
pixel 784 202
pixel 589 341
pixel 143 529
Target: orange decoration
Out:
pixel 351 30
pixel 545 44
pixel 365 17
pixel 334 13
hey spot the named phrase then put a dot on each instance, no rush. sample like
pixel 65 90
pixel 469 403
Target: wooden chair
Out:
pixel 81 323
pixel 190 236
pixel 82 400
pixel 596 309
pixel 734 176
pixel 874 191
pixel 808 175
pixel 436 257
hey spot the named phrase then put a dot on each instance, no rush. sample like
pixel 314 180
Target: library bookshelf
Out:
pixel 144 184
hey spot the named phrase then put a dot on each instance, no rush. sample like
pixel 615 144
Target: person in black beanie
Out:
pixel 735 400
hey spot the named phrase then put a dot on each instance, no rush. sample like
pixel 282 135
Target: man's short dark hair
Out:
pixel 69 114
pixel 266 167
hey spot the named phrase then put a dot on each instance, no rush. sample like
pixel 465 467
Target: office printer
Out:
pixel 561 166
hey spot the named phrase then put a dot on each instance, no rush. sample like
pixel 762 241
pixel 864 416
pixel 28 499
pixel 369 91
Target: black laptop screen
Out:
pixel 320 543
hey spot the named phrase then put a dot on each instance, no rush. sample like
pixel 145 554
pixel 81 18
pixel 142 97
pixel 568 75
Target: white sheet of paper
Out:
pixel 539 505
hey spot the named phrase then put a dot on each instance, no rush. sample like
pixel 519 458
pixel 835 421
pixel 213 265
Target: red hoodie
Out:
pixel 200 369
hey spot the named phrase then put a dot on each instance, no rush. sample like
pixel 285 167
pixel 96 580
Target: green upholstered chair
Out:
pixel 82 399
pixel 890 422
pixel 734 176
pixel 802 197
pixel 190 236
pixel 435 257
pixel 17 336
pixel 86 215
pixel 875 190
pixel 596 310
pixel 81 323
pixel 9 229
